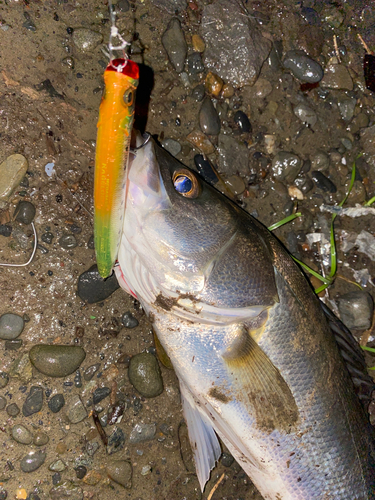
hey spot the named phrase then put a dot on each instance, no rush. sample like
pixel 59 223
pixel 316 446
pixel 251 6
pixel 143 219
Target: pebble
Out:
pixel 66 490
pixel 173 147
pixel 56 403
pixel 303 67
pixel 92 477
pixel 356 309
pixel 237 52
pixel 144 374
pixel 93 288
pixel 56 478
pixel 286 166
pixel 47 237
pixel 21 434
pixel 57 466
pixel 116 441
pixel 295 193
pixel 32 461
pixel 24 212
pixel 67 241
pixel 226 459
pixel 76 412
pixel 201 141
pixel 90 371
pixel 336 76
pixel 5 230
pixel 13 410
pixel 12 171
pixel 304 183
pixel 235 184
pixel 81 471
pixel 306 114
pixel 198 43
pixel 13 345
pixel 11 326
pixel 360 121
pixel 33 402
pixel 198 92
pixel 120 471
pixel 92 448
pixel 86 40
pixel 56 360
pixel 129 321
pixel 3 403
pixel 233 156
pixel 100 393
pixel 213 84
pixel 209 120
pixel 78 379
pixel 174 43
pixel 320 161
pixel 21 494
pixel 142 432
pixel 242 121
pixel 346 107
pixel 40 438
pixel 195 64
pixel 322 182
pixel 261 89
pixel 22 368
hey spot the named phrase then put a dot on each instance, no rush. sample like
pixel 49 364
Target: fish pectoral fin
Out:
pixel 259 385
pixel 203 439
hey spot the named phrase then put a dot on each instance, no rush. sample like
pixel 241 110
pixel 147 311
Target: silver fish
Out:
pixel 257 362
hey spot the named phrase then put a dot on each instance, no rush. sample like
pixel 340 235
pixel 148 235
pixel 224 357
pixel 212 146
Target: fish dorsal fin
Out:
pixel 203 439
pixel 260 385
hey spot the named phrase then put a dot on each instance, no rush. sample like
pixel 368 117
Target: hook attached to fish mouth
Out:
pixel 146 136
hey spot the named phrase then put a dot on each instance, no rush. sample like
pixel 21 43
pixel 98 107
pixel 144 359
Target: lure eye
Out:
pixel 186 184
pixel 128 97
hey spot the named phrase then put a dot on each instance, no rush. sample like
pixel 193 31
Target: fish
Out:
pixel 116 116
pixel 261 364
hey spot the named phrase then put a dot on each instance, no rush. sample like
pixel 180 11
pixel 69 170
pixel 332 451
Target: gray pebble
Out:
pixel 56 403
pixel 13 345
pixel 129 321
pixel 142 432
pixel 120 471
pixel 306 114
pixel 347 107
pixel 320 161
pixel 5 230
pixel 347 143
pixel 13 410
pixel 32 461
pixel 93 288
pixel 100 393
pixel 57 466
pixel 76 412
pixel 47 237
pixel 81 471
pixel 172 146
pixel 3 403
pixel 66 491
pixel 24 212
pixel 56 360
pixel 56 478
pixel 242 122
pixel 4 379
pixel 85 39
pixel 91 243
pixel 198 92
pixel 286 166
pixel 90 371
pixel 34 401
pixel 67 241
pixel 195 64
pixel 209 120
pixel 144 374
pixel 123 5
pixel 303 67
pixel 40 438
pixel 322 182
pixel 116 441
pixel 356 309
pixel 174 43
pixel 21 434
pixel 226 459
pixel 92 447
pixel 11 326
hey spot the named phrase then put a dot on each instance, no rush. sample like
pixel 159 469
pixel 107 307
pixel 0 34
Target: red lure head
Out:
pixel 127 68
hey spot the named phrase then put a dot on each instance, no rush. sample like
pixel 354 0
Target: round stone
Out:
pixel 34 401
pixel 144 374
pixel 242 121
pixel 356 309
pixel 85 39
pixel 68 241
pixel 303 67
pixel 120 471
pixel 209 120
pixel 4 379
pixel 56 403
pixel 11 326
pixel 81 471
pixel 40 438
pixel 56 360
pixel 57 466
pixel 24 212
pixel 76 412
pixel 32 461
pixel 21 434
pixel 173 147
pixel 128 320
pixel 322 182
pixel 286 166
pixel 13 410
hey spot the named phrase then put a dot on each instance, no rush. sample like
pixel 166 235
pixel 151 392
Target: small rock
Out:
pixel 13 345
pixel 13 410
pixel 81 471
pixel 347 107
pixel 356 309
pixel 85 39
pixel 359 122
pixel 93 288
pixel 78 379
pixel 91 243
pixel 226 459
pixel 12 171
pixel 40 438
pixel 227 91
pixel 200 140
pixel 198 93
pixel 76 412
pixel 57 466
pixel 173 147
pixel 303 67
pixel 142 432
pixel 67 241
pixel 295 193
pixel 24 212
pixel 174 43
pixel 56 478
pixel 22 368
pixel 261 89
pixel 322 182
pixel 198 43
pixel 56 360
pixel 305 114
pixel 34 401
pixel 319 161
pixel 66 490
pixel 120 471
pixel 33 460
pixel 116 441
pixel 336 76
pixel 209 120
pixel 11 326
pixel 56 403
pixel 92 478
pixel 235 184
pixel 286 166
pixel 128 320
pixel 21 434
pixel 100 393
pixel 6 230
pixel 195 64
pixel 47 237
pixel 145 376
pixel 92 448
pixel 3 402
pixel 90 371
pixel 242 122
pixel 213 84
pixel 146 469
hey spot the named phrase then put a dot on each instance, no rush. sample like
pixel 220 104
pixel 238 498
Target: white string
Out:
pixel 31 256
pixel 115 35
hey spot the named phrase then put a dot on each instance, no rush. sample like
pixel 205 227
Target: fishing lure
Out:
pixel 115 122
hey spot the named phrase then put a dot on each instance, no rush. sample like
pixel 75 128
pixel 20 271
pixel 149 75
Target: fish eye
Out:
pixel 186 183
pixel 128 97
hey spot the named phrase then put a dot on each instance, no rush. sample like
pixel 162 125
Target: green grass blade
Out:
pixel 369 202
pixel 369 349
pixel 284 221
pixel 327 281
